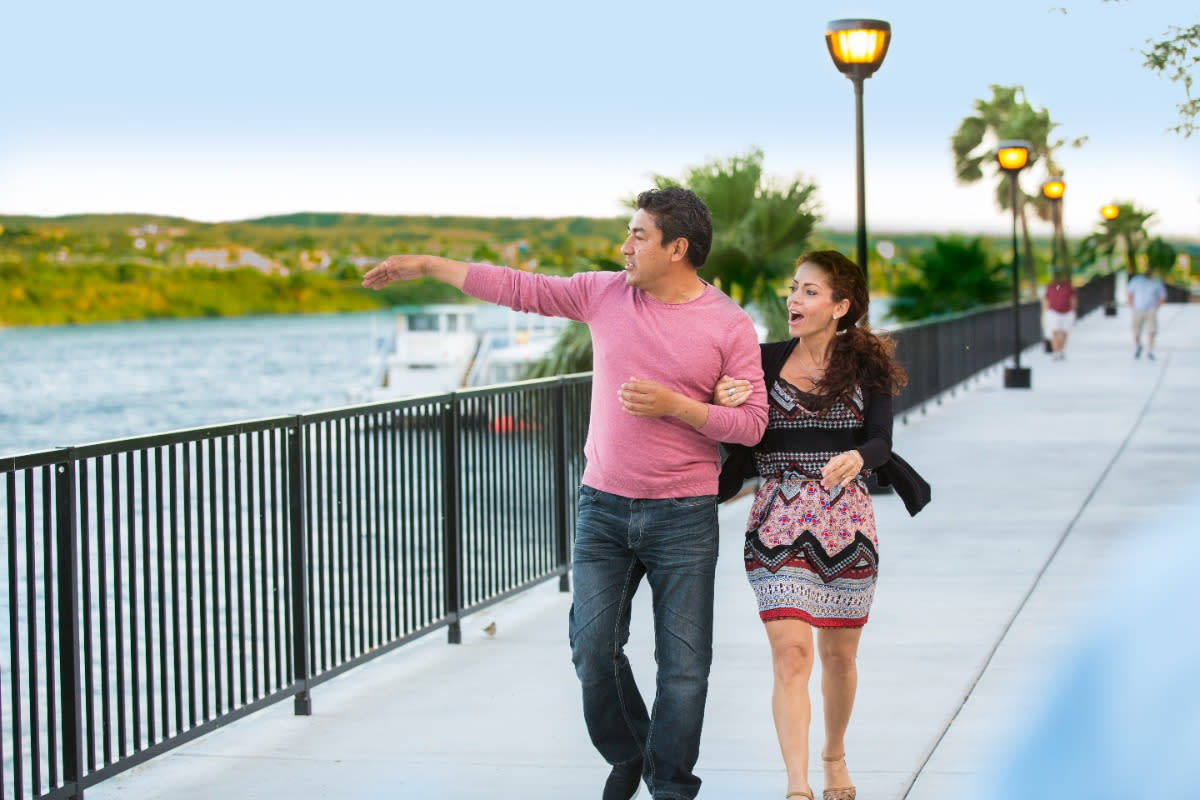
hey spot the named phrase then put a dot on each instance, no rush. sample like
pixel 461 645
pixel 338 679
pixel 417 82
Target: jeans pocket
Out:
pixel 692 502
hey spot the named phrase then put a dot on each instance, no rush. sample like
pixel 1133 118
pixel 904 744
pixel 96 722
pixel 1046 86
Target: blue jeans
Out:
pixel 673 544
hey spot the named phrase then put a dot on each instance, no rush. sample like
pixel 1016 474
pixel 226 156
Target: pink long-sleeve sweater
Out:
pixel 684 346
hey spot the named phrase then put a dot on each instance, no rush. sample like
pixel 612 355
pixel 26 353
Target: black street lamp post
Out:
pixel 858 47
pixel 1013 156
pixel 1110 212
pixel 1053 189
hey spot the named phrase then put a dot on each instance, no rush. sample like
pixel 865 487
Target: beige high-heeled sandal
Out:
pixel 807 794
pixel 838 792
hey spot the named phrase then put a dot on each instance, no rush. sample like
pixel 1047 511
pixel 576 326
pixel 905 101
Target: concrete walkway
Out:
pixel 977 596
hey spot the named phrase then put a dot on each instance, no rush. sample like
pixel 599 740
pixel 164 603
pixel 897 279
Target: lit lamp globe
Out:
pixel 1110 212
pixel 858 45
pixel 1053 189
pixel 1012 155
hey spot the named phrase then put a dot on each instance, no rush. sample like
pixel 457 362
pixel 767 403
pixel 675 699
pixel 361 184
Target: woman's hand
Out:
pixel 731 393
pixel 841 469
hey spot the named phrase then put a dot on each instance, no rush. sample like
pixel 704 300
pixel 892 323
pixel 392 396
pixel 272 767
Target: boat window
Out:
pixel 452 323
pixel 422 322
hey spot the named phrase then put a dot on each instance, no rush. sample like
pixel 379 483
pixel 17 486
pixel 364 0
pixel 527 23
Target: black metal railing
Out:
pixel 163 586
pixel 940 354
pixel 1178 294
pixel 1096 293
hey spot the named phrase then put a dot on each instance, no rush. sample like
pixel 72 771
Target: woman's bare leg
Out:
pixel 838 649
pixel 792 658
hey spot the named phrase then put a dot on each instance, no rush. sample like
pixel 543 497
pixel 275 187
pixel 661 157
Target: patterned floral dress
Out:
pixel 811 554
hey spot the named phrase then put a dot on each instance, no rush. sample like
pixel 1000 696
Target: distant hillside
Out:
pixel 86 267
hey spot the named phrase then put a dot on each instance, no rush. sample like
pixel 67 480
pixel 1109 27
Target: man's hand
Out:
pixel 396 268
pixel 643 398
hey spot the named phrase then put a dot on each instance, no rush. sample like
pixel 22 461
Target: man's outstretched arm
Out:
pixel 547 295
pixel 411 267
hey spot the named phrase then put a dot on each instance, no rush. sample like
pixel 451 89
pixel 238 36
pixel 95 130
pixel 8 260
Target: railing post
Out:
pixel 452 518
pixel 68 625
pixel 298 558
pixel 562 487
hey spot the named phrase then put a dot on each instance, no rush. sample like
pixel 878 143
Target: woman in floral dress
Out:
pixel 812 554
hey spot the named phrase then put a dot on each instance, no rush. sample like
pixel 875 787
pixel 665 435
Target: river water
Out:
pixel 70 385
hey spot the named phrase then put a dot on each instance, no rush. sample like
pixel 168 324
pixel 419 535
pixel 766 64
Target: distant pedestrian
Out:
pixel 662 338
pixel 1060 304
pixel 1146 293
pixel 811 552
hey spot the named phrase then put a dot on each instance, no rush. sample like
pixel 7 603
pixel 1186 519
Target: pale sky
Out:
pixel 226 110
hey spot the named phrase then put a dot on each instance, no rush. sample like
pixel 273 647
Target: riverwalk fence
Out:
pixel 163 586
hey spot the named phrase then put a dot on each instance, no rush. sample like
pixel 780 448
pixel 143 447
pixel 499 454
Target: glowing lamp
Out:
pixel 858 45
pixel 1013 155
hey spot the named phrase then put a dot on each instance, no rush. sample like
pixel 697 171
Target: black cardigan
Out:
pixel 737 462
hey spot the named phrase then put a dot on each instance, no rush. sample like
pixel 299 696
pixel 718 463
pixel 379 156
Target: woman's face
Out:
pixel 811 308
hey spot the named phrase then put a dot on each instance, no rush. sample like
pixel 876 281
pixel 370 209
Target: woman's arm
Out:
pixel 876 449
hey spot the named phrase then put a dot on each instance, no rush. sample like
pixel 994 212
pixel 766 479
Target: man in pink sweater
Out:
pixel 661 338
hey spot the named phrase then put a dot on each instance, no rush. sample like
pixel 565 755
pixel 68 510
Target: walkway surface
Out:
pixel 977 597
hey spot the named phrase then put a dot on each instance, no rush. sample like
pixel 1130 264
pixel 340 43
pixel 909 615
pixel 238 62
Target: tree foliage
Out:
pixel 1160 255
pixel 1176 56
pixel 955 274
pixel 1126 231
pixel 33 295
pixel 109 267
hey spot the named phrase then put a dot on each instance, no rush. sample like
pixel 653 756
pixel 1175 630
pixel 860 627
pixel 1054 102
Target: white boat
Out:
pixel 440 348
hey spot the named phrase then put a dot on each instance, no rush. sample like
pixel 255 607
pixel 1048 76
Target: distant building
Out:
pixel 315 260
pixel 364 261
pixel 233 258
pixel 154 229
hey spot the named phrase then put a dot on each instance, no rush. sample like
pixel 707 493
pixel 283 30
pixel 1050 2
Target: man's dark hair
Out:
pixel 680 214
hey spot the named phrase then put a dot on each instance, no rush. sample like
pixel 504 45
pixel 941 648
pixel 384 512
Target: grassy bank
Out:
pixel 56 295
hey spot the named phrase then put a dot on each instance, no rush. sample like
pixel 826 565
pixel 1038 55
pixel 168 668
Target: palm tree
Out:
pixel 1128 228
pixel 955 274
pixel 1008 115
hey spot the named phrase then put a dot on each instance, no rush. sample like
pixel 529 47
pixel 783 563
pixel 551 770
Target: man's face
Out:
pixel 647 259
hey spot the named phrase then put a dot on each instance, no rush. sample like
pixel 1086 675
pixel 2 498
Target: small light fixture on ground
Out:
pixel 857 47
pixel 1013 156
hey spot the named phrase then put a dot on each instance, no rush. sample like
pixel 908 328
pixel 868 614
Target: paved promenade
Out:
pixel 977 597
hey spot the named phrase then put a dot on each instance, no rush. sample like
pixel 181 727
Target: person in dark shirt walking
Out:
pixel 1060 304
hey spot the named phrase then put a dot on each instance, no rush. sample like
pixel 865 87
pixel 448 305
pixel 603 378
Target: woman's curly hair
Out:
pixel 860 357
